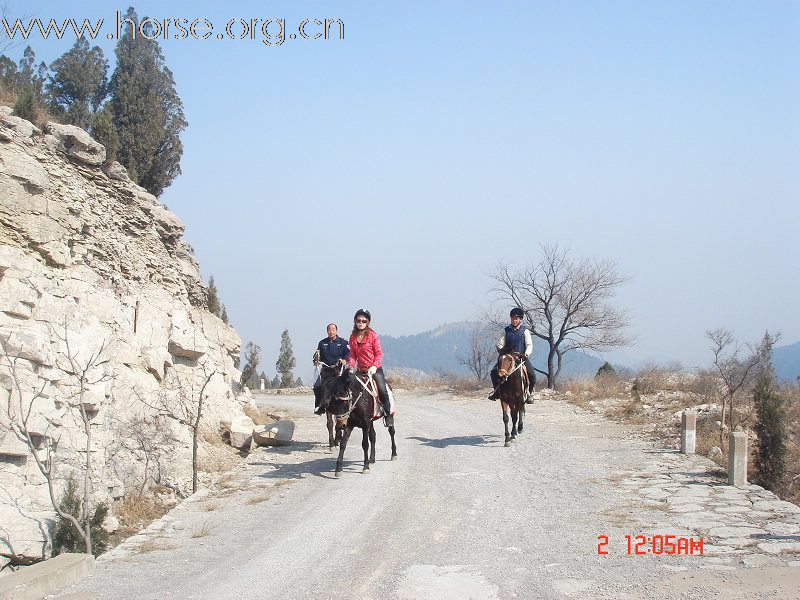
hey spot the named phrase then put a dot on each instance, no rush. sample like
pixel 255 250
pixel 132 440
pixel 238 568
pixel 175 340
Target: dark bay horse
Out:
pixel 352 403
pixel 329 374
pixel 512 387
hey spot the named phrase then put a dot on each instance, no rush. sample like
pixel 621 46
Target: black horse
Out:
pixel 353 404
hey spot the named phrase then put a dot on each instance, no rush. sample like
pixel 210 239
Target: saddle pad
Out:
pixel 377 409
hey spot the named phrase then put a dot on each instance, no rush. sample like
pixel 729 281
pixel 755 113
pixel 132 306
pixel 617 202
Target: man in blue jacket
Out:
pixel 332 352
pixel 516 338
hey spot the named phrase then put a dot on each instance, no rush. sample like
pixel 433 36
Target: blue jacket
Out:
pixel 331 352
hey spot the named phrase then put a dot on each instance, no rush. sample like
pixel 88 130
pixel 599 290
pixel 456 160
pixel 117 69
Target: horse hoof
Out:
pixel 394 456
pixel 507 444
pixel 337 474
pixel 365 471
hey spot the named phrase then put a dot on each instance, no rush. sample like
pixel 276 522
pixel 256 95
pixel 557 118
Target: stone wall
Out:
pixel 90 260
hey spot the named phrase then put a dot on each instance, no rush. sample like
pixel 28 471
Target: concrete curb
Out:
pixel 47 577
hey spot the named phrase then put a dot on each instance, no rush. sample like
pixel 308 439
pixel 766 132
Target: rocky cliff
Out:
pixel 90 263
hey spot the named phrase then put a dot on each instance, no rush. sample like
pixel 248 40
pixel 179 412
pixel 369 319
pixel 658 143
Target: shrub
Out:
pixel 605 370
pixel 65 538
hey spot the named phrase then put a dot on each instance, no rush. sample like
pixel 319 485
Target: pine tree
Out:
pixel 224 314
pixel 79 83
pixel 769 458
pixel 606 369
pixel 103 131
pixel 148 114
pixel 213 298
pixel 252 355
pixel 276 382
pixel 25 107
pixel 286 362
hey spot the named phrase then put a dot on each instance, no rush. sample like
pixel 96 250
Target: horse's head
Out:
pixel 506 364
pixel 340 392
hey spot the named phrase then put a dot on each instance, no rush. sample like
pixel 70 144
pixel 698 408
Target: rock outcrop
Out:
pixel 91 262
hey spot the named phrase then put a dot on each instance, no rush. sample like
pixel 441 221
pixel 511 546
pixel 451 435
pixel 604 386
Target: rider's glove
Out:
pixel 372 370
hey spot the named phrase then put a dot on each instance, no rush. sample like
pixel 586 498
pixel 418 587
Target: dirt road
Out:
pixel 456 516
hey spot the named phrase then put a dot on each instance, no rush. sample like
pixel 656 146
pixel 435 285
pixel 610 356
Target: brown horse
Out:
pixel 353 404
pixel 512 387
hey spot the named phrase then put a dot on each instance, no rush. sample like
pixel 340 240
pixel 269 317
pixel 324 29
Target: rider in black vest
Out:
pixel 332 352
pixel 516 338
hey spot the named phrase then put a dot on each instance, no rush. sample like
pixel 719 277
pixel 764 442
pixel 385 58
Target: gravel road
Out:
pixel 457 516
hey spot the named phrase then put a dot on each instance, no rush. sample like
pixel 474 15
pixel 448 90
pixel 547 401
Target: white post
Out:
pixel 688 431
pixel 737 459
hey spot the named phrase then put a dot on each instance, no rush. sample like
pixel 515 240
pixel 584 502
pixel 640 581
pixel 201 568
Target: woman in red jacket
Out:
pixel 366 354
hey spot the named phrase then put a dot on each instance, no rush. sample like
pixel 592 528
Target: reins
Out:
pixel 352 405
pixel 509 374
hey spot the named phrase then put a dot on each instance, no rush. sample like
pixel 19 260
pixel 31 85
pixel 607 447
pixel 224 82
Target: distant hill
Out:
pixel 786 360
pixel 437 350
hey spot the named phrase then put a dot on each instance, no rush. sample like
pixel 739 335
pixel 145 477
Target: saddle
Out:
pixel 377 407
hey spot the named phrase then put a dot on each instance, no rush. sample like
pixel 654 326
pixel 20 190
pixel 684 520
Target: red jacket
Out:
pixel 366 353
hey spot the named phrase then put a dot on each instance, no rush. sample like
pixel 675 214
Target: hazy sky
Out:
pixel 391 170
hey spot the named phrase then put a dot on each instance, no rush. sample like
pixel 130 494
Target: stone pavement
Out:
pixel 741 527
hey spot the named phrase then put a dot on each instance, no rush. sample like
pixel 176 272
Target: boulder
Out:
pixel 75 142
pixel 274 434
pixel 116 171
pixel 240 429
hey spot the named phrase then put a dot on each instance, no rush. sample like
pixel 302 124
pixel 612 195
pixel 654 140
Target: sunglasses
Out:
pixel 361 321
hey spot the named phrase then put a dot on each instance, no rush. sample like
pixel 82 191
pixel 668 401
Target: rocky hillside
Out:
pixel 91 263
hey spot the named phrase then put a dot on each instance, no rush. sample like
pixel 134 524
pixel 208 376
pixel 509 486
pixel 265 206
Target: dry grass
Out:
pixel 619 519
pixel 210 507
pixel 204 531
pixel 135 513
pixel 258 499
pixel 259 415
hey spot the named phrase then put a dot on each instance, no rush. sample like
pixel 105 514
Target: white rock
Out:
pixel 240 428
pixel 111 523
pixel 75 142
pixel 274 434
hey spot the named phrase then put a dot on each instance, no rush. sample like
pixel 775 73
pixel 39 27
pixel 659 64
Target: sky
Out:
pixel 393 169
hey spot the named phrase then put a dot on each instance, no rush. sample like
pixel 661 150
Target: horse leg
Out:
pixel 330 431
pixel 521 413
pixel 505 422
pixel 372 442
pixel 338 439
pixel 345 436
pixel 394 448
pixel 514 413
pixel 365 447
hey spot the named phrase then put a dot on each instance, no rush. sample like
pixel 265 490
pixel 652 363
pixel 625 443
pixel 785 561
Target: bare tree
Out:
pixel 84 373
pixel 147 438
pixel 565 304
pixel 736 372
pixel 184 405
pixel 478 356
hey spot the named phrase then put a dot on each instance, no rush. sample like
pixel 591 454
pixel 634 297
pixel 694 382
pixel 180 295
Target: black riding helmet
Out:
pixel 362 312
pixel 517 312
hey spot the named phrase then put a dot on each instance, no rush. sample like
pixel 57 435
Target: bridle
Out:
pixel 370 387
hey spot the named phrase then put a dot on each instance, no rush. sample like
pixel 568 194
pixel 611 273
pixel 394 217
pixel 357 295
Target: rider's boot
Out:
pixel 388 419
pixel 495 383
pixel 319 410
